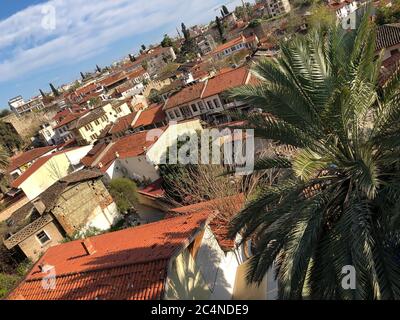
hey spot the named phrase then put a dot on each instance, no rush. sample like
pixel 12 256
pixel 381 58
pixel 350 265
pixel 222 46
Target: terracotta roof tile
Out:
pixel 28 156
pixel 226 81
pixel 152 115
pixel 218 224
pixel 125 147
pixel 187 94
pixel 123 123
pixel 154 189
pixel 131 264
pixel 388 36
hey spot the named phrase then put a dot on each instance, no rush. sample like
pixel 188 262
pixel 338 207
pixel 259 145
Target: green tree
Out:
pixel 321 16
pixel 337 204
pixel 225 10
pixel 54 90
pixel 221 29
pixel 167 41
pixel 385 15
pixel 154 96
pixel 124 193
pixel 9 138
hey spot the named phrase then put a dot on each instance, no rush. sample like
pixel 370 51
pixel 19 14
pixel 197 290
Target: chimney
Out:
pixel 45 268
pixel 116 154
pixel 88 246
pixel 39 206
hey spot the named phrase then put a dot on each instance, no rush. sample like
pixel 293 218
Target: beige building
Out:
pixel 48 169
pixel 88 128
pixel 73 204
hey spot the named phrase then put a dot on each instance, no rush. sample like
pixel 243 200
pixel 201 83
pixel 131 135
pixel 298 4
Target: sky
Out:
pixel 44 42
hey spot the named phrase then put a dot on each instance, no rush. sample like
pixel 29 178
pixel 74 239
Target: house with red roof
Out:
pixel 21 162
pixel 183 257
pixel 236 45
pixel 206 100
pixel 48 169
pixel 137 156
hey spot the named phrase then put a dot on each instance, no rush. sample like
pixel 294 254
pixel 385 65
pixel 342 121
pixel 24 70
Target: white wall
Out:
pixel 169 137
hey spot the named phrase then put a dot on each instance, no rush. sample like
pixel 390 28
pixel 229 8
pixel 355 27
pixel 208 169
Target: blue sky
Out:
pixel 52 41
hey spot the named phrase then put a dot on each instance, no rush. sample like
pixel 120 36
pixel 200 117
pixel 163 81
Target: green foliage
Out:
pixel 167 41
pixel 221 29
pixel 4 112
pixel 90 232
pixel 124 193
pixel 154 96
pixel 9 280
pixel 254 23
pixel 7 283
pixel 337 203
pixel 321 16
pixel 9 138
pixel 189 47
pixel 385 15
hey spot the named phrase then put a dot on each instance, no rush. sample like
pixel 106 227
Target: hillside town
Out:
pixel 91 206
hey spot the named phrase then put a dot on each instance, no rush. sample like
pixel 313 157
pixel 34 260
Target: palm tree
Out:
pixel 337 203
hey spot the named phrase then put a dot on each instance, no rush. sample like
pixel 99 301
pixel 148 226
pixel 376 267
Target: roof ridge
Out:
pixel 92 270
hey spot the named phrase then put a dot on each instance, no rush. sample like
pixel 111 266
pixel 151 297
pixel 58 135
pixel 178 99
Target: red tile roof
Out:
pixel 136 73
pixel 234 42
pixel 131 264
pixel 28 156
pixel 186 95
pixel 154 189
pixel 125 147
pixel 123 123
pixel 70 117
pixel 114 78
pixel 226 81
pixel 93 154
pixel 218 224
pixel 153 114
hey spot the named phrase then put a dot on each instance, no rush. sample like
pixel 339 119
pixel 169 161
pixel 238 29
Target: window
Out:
pixel 104 118
pixel 118 110
pixel 186 111
pixel 171 115
pixel 177 113
pixel 96 122
pixel 88 127
pixel 201 105
pixel 210 105
pixel 217 104
pixel 43 237
pixel 194 107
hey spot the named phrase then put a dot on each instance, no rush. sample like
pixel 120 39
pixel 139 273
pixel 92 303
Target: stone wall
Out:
pixel 28 125
pixel 80 204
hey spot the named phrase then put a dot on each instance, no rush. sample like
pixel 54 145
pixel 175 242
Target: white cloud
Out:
pixel 85 28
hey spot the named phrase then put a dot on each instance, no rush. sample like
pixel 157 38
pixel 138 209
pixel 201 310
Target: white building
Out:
pixel 277 7
pixel 20 107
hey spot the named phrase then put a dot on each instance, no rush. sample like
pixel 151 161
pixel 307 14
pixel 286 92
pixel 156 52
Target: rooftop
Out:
pixel 387 36
pixel 152 115
pixel 28 156
pixel 187 94
pixel 131 264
